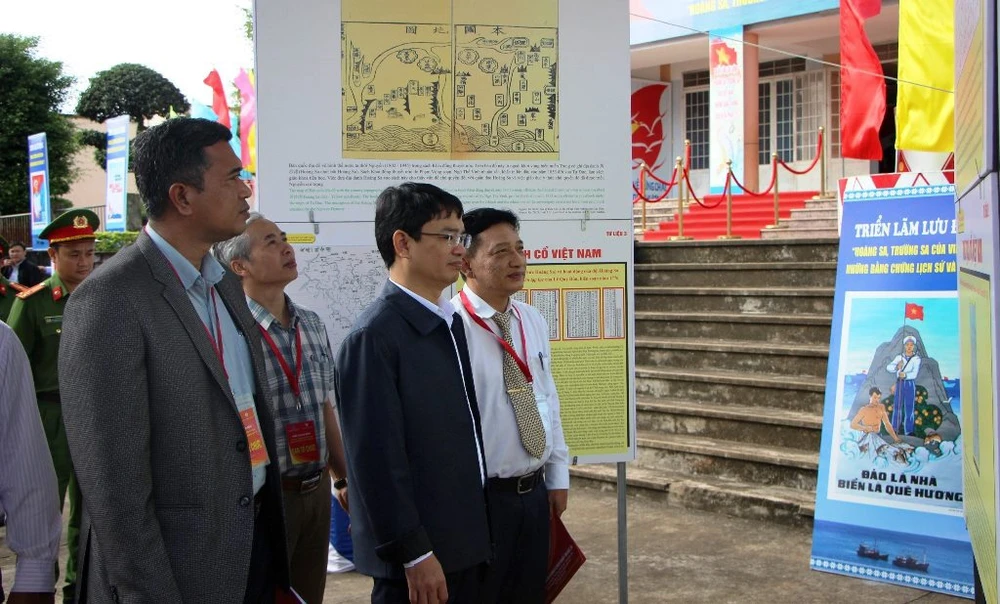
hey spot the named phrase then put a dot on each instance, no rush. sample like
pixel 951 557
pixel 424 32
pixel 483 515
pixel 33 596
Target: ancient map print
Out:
pixel 474 81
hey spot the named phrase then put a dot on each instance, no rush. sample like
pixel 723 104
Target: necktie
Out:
pixel 521 395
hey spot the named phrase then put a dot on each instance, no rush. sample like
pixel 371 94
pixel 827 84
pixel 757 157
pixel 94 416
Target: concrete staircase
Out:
pixel 817 220
pixel 731 349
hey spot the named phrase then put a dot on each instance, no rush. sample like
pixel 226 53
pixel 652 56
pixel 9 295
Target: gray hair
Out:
pixel 237 248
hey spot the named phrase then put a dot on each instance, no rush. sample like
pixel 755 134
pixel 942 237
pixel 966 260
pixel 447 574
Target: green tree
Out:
pixel 133 89
pixel 31 91
pixel 130 89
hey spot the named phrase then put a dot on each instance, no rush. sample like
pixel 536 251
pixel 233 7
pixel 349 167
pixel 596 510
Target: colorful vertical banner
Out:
pixel 726 104
pixel 889 498
pixel 115 204
pixel 650 143
pixel 38 185
pixel 977 295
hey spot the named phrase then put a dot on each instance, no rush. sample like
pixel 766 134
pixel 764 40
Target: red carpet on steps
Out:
pixel 750 215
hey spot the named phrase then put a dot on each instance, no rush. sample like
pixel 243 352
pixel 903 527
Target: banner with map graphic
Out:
pixel 514 105
pixel 889 494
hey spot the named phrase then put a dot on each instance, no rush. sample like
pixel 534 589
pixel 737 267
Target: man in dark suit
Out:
pixel 18 269
pixel 169 425
pixel 416 467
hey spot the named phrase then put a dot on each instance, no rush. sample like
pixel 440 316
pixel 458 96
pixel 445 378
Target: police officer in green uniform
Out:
pixel 36 318
pixel 7 289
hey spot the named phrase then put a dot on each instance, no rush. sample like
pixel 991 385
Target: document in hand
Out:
pixel 565 558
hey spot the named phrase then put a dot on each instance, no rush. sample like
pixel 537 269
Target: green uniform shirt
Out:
pixel 7 295
pixel 36 318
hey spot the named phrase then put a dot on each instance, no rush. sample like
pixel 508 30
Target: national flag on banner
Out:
pixel 862 86
pixel 914 311
pixel 925 114
pixel 219 104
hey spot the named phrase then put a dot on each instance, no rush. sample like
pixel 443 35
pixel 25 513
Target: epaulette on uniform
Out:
pixel 31 291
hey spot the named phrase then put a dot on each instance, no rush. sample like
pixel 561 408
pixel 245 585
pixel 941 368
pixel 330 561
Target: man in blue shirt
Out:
pixel 169 426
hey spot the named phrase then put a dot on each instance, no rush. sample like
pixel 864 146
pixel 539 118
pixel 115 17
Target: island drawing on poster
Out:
pixel 897 441
pixel 446 87
pixel 337 283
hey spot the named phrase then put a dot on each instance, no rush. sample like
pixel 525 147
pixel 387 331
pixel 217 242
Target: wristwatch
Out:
pixel 340 483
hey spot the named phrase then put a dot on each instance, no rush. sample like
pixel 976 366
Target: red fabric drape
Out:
pixel 862 87
pixel 219 104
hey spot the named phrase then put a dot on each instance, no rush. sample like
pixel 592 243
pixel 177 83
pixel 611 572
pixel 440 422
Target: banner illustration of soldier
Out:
pixel 889 496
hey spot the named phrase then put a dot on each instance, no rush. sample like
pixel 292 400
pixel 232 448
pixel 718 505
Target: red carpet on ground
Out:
pixel 750 215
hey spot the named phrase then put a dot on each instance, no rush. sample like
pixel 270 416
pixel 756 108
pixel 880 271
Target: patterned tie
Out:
pixel 522 397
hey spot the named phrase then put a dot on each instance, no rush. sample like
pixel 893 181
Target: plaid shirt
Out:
pixel 316 382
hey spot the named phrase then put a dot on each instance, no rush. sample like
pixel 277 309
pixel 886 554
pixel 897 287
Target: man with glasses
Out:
pixel 410 421
pixel 525 450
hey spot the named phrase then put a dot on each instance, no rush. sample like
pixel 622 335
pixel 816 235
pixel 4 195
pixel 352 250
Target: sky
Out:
pixel 876 320
pixel 181 39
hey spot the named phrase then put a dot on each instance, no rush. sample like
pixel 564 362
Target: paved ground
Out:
pixel 675 556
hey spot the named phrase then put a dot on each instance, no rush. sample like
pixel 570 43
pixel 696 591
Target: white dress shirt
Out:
pixel 28 490
pixel 15 273
pixel 505 456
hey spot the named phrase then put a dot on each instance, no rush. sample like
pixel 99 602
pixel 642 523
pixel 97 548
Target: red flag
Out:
pixel 862 87
pixel 219 104
pixel 868 8
pixel 914 311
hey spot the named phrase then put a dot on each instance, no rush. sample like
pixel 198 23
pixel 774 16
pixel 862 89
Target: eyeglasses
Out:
pixel 453 239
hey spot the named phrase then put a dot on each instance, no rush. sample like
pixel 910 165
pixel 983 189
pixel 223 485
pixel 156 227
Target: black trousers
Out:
pixel 261 581
pixel 520 528
pixel 464 587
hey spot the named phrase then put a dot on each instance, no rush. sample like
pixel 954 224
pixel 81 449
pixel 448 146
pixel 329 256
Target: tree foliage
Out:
pixel 99 141
pixel 31 92
pixel 130 89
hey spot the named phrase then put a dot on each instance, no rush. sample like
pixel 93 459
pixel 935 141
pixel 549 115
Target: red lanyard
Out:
pixel 216 342
pixel 522 365
pixel 293 378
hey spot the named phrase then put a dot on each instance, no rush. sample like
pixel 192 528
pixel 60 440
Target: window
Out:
pixel 764 122
pixel 696 129
pixel 784 103
pixel 782 67
pixel 810 98
pixel 775 130
pixel 790 112
pixel 693 79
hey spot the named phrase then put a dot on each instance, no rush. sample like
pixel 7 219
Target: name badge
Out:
pixel 255 439
pixel 302 445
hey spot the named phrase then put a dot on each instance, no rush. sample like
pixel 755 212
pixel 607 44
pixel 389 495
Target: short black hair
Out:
pixel 17 244
pixel 408 208
pixel 481 219
pixel 173 152
pixel 874 390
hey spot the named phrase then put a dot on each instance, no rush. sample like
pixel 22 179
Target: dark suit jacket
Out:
pixel 28 273
pixel 158 447
pixel 413 468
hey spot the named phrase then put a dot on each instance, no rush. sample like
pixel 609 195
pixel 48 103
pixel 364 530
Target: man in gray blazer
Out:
pixel 165 401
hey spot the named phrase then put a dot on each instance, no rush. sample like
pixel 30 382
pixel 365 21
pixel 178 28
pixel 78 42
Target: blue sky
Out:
pixel 876 320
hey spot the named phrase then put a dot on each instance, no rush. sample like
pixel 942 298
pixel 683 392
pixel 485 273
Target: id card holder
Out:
pixel 251 425
pixel 303 446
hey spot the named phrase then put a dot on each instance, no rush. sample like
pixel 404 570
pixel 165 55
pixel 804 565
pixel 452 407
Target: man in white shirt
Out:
pixel 526 454
pixel 27 480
